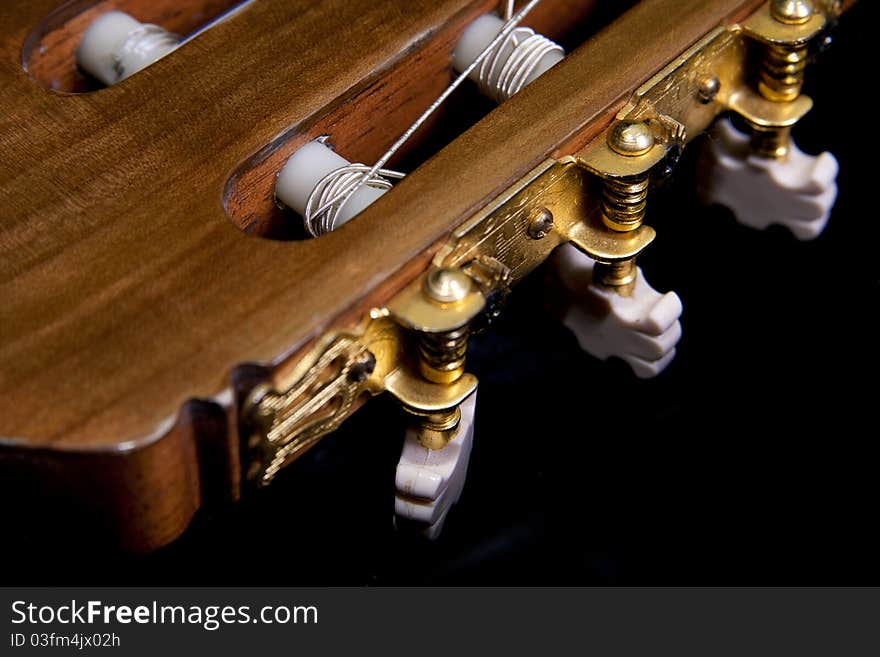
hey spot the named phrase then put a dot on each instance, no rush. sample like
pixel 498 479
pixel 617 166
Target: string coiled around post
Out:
pixel 336 188
pixel 510 64
pixel 333 190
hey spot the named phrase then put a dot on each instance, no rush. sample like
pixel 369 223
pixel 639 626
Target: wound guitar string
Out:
pixel 500 76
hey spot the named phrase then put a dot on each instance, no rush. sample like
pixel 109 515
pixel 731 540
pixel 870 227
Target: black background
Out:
pixel 750 461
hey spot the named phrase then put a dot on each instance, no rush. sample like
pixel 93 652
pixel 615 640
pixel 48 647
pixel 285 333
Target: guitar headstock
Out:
pixel 218 247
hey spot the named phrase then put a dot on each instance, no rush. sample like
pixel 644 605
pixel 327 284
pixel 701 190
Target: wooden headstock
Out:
pixel 150 282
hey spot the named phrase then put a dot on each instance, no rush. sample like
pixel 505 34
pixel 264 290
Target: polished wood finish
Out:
pixel 128 294
pixel 363 126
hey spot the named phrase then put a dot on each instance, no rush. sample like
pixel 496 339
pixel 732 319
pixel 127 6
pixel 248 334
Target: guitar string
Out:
pixel 148 37
pixel 329 195
pixel 500 76
pixel 504 75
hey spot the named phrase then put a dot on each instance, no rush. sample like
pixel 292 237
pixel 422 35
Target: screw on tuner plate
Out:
pixel 763 177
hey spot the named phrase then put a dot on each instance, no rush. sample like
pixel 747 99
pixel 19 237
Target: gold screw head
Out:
pixel 540 223
pixel 709 88
pixel 631 138
pixel 791 12
pixel 447 285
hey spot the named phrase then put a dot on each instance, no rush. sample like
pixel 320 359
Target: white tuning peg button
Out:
pixel 797 192
pixel 116 46
pixel 429 481
pixel 641 329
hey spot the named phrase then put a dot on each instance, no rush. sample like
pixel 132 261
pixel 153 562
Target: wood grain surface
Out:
pixel 363 126
pixel 132 308
pixel 49 50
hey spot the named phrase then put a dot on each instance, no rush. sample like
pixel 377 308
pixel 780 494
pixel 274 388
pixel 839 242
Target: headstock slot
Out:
pixel 362 125
pixel 49 53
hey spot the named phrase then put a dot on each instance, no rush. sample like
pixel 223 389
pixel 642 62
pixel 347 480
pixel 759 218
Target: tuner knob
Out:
pixel 116 46
pixel 796 191
pixel 641 328
pixel 430 481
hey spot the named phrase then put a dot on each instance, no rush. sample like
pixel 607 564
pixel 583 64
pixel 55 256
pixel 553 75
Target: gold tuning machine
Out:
pixel 415 346
pixel 438 309
pixel 784 30
pixel 414 349
pixel 623 162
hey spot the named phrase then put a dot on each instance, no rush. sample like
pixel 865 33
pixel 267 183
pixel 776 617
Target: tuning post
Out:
pixel 442 354
pixel 619 276
pixel 785 55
